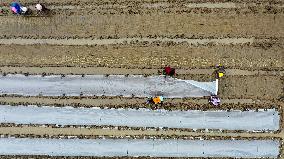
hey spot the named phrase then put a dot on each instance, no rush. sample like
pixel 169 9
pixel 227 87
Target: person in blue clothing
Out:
pixel 17 8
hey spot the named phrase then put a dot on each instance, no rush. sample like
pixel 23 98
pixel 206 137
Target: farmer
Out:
pixel 214 100
pixel 219 71
pixel 40 8
pixel 16 8
pixel 156 100
pixel 168 71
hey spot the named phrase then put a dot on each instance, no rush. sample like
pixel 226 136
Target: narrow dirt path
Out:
pixel 114 132
pixel 124 71
pixel 155 5
pixel 119 102
pixel 145 1
pixel 78 42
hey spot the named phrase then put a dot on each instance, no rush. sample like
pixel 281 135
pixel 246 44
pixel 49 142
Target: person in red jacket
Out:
pixel 168 71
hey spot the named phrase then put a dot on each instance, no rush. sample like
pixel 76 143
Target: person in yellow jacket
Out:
pixel 220 74
pixel 220 71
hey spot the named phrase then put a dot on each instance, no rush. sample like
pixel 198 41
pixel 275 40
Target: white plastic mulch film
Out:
pixel 140 147
pixel 193 119
pixel 98 85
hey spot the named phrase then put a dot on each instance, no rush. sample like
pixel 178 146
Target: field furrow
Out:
pixel 159 24
pixel 264 56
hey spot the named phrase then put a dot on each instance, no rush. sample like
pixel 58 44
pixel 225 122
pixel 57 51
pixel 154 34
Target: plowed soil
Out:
pixel 156 24
pixel 180 56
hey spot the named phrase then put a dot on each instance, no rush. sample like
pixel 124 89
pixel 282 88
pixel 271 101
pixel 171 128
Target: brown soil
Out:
pixel 260 87
pixel 130 2
pixel 181 56
pixel 157 24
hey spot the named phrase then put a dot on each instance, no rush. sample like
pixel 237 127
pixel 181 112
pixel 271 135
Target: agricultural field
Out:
pixel 74 82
